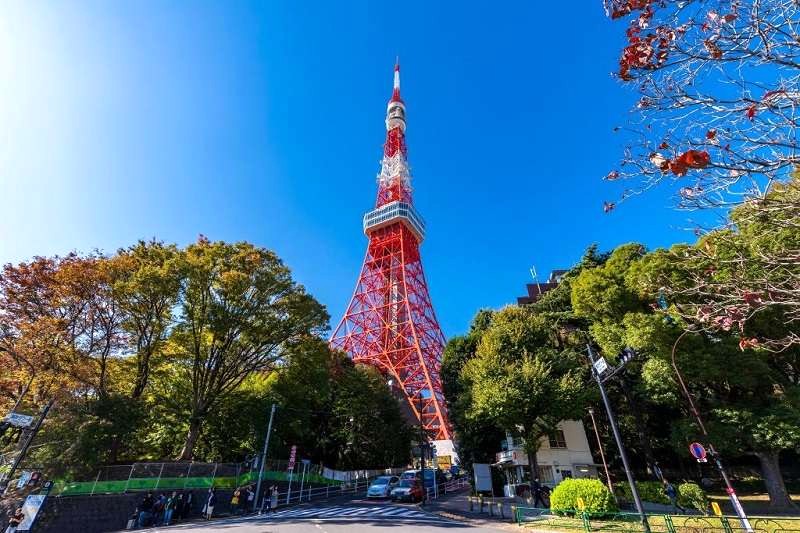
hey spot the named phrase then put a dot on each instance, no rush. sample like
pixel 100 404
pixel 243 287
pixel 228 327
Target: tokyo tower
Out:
pixel 390 322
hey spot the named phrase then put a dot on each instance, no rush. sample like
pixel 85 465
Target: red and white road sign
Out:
pixel 292 456
pixel 698 451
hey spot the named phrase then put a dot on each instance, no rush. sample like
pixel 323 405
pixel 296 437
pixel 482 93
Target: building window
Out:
pixel 557 439
pixel 545 474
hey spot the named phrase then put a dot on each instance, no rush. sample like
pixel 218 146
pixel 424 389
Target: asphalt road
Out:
pixel 351 517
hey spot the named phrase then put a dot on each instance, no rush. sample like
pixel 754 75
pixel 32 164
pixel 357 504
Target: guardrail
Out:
pixel 302 493
pixel 453 485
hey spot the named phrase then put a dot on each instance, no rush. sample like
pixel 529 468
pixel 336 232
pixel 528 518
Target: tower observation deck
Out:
pixel 390 322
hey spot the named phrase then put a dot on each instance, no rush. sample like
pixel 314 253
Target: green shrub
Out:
pixel 596 496
pixel 691 495
pixel 649 491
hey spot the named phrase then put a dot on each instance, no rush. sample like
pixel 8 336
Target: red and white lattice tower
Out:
pixel 390 321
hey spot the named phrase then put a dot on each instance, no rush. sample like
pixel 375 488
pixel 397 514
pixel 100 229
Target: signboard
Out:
pixel 444 462
pixel 483 477
pixel 31 508
pixel 600 366
pixel 292 457
pixel 24 478
pixel 19 420
pixel 698 451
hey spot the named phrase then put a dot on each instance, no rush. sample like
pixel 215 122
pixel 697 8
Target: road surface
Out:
pixel 352 517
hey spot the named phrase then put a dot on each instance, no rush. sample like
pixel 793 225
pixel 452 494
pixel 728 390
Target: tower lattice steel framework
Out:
pixel 390 322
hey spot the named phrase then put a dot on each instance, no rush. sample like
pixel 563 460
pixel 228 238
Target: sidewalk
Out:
pixel 456 507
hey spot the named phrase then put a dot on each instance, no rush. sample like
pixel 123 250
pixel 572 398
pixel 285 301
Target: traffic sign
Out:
pixel 292 456
pixel 18 420
pixel 600 366
pixel 698 451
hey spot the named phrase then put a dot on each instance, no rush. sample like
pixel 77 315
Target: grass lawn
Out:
pixel 756 503
pixel 681 524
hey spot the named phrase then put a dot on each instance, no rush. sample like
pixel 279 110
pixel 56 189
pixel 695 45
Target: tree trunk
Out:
pixel 773 479
pixel 533 465
pixel 191 439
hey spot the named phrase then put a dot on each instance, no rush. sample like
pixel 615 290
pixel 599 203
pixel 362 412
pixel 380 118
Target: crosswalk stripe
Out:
pixel 350 512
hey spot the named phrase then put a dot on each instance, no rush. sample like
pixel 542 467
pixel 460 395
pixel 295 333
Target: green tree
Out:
pixel 748 391
pixel 477 439
pixel 146 292
pixel 337 413
pixel 743 392
pixel 240 308
pixel 527 375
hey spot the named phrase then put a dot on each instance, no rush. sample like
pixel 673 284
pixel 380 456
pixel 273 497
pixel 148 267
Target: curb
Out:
pixel 472 520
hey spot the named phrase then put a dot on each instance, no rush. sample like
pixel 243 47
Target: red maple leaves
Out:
pixel 689 159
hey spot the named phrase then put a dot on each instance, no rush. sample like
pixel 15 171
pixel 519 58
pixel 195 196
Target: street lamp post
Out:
pixel 634 491
pixel 263 457
pixel 737 506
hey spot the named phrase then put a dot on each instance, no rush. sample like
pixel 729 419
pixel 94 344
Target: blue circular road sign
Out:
pixel 698 451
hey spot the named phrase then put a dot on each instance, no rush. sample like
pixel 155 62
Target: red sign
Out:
pixel 698 451
pixel 292 456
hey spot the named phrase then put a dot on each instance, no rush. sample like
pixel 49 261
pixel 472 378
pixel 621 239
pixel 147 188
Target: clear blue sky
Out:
pixel 264 122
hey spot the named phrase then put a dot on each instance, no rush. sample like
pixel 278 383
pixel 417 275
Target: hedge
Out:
pixel 689 494
pixel 595 495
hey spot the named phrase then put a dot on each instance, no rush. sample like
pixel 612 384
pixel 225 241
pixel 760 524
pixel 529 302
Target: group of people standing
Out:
pixel 162 509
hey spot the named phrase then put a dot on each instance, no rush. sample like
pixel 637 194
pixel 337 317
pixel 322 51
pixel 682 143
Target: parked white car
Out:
pixel 381 487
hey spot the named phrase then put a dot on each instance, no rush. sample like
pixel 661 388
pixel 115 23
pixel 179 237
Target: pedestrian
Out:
pixel 169 509
pixel 536 490
pixel 672 494
pixel 273 499
pixel 235 498
pixel 146 510
pixel 251 498
pixel 158 509
pixel 211 501
pixel 15 520
pixel 187 505
pixel 178 506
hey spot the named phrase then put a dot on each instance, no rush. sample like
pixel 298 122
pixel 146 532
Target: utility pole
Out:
pixel 737 506
pixel 263 457
pixel 21 455
pixel 634 492
pixel 602 455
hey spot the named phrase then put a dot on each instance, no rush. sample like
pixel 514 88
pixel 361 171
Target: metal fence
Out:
pixel 544 519
pixel 194 475
pixel 182 475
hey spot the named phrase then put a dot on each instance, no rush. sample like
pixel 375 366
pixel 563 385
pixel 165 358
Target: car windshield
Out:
pixel 408 483
pixel 381 481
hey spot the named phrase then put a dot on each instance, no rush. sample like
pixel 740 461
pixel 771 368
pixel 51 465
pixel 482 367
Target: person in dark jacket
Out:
pixel 211 501
pixel 146 510
pixel 187 505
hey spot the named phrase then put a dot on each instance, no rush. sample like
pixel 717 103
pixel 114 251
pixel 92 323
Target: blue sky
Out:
pixel 264 122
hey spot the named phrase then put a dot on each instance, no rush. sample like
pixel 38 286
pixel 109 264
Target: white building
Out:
pixel 565 454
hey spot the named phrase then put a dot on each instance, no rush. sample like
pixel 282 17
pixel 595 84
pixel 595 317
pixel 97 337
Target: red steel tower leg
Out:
pixel 390 321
